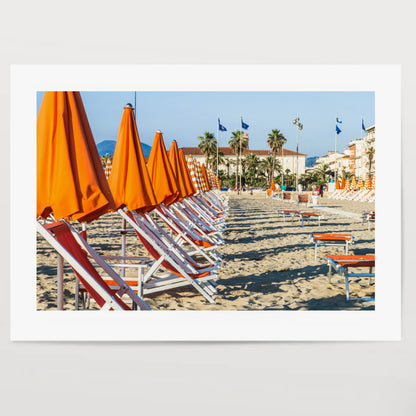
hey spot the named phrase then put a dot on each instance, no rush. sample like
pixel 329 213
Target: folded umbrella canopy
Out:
pixel 129 179
pixel 194 174
pixel 70 178
pixel 173 155
pixel 205 176
pixel 186 174
pixel 161 174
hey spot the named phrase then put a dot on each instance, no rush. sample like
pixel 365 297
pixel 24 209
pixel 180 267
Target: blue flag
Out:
pixel 362 124
pixel 244 125
pixel 338 120
pixel 220 126
pixel 337 129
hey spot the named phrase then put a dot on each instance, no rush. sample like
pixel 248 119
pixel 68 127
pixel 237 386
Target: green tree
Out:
pixel 321 170
pixel 267 165
pixel 238 141
pixel 275 141
pixel 208 145
pixel 370 155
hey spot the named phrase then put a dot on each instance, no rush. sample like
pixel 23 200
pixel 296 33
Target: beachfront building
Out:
pixel 289 158
pixel 355 158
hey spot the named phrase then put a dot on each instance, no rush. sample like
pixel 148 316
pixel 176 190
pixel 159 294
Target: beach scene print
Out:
pixel 204 201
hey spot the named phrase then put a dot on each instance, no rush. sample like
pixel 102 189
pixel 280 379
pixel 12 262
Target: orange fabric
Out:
pixel 335 237
pixel 337 185
pixel 70 177
pixel 205 175
pixel 272 186
pixel 175 163
pixel 161 173
pixel 186 175
pixel 343 183
pixel 129 179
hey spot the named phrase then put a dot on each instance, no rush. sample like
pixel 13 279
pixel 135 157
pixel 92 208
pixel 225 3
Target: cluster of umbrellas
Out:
pixel 346 184
pixel 71 181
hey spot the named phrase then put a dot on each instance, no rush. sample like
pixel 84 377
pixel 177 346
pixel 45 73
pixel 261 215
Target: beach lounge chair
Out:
pixel 343 264
pixel 327 239
pixel 77 252
pixel 292 213
pixel 369 216
pixel 179 268
pixel 303 199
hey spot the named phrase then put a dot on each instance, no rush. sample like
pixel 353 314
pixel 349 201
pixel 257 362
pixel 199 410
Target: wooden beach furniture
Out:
pixel 78 253
pixel 327 239
pixel 344 264
pixel 303 199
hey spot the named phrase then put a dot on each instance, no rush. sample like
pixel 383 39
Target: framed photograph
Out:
pixel 243 195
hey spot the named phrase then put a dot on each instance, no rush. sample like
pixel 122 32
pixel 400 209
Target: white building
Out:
pixel 290 161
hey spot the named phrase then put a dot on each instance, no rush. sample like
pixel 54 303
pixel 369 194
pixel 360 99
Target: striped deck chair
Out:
pixel 178 268
pixel 107 291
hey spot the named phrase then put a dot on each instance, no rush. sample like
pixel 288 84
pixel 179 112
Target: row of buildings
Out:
pixel 288 158
pixel 354 159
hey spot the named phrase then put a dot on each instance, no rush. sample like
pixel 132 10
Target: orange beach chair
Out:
pixel 343 265
pixel 327 239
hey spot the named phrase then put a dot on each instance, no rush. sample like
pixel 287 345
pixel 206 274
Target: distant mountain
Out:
pixel 310 161
pixel 108 146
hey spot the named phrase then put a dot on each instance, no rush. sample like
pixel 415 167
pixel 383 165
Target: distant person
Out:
pixel 321 191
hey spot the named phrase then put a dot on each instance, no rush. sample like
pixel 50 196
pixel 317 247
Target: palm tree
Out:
pixel 228 162
pixel 267 165
pixel 322 169
pixel 212 160
pixel 370 155
pixel 208 145
pixel 237 142
pixel 276 140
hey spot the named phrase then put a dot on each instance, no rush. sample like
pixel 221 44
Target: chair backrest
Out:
pixel 287 195
pixel 303 198
pixel 74 249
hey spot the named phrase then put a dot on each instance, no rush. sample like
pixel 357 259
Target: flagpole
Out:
pixel 361 128
pixel 336 134
pixel 241 155
pixel 218 127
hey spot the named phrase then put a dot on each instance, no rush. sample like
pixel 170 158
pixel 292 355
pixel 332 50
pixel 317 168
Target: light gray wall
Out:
pixel 288 378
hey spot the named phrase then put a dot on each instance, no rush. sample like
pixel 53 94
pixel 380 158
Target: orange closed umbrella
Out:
pixel 161 173
pixel 360 183
pixel 205 176
pixel 173 155
pixel 107 170
pixel 337 184
pixel 347 184
pixel 353 183
pixel 343 183
pixel 70 178
pixel 272 186
pixel 194 174
pixel 190 189
pixel 129 179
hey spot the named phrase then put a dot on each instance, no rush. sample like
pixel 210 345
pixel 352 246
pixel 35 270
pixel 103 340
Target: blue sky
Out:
pixel 184 116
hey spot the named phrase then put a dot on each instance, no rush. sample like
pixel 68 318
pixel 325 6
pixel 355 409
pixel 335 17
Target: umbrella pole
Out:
pixel 123 246
pixel 60 283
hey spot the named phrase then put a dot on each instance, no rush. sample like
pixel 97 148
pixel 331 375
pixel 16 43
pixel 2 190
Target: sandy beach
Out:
pixel 268 264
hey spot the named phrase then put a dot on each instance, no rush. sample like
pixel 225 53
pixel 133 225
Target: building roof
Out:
pixel 227 151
